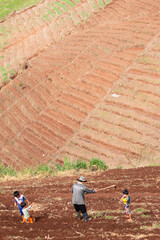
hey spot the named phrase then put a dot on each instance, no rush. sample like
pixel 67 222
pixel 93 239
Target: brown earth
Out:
pixel 93 93
pixel 56 217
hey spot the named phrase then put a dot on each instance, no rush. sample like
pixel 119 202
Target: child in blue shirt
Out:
pixel 126 202
pixel 19 198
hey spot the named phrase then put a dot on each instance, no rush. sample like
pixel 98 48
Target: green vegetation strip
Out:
pixel 53 168
pixel 5 72
pixel 8 6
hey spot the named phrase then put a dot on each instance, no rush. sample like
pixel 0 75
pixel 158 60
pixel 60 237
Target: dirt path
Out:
pixel 93 94
pixel 56 217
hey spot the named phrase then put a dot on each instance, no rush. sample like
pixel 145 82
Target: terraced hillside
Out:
pixel 26 33
pixel 56 217
pixel 93 93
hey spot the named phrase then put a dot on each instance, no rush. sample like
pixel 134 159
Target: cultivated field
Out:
pixel 56 217
pixel 93 91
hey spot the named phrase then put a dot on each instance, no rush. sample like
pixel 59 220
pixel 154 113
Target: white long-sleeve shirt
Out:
pixel 26 212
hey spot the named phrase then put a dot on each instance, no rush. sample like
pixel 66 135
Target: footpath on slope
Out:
pixel 28 32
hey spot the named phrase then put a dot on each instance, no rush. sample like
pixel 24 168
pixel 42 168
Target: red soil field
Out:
pixel 56 217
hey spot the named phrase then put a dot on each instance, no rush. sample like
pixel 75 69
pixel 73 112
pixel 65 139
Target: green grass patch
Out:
pixel 7 171
pixel 100 164
pixel 145 216
pixel 144 227
pixel 84 16
pixel 6 72
pixel 8 6
pixel 43 168
pixel 61 5
pixel 80 165
pixel 94 5
pixel 108 1
pixel 67 165
pixel 101 3
pixel 57 10
pixel 76 1
pixel 51 168
pixel 108 217
pixel 141 210
pixel 71 165
pixel 69 3
pixel 155 226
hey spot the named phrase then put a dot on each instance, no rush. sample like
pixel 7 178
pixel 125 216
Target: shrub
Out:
pixel 100 164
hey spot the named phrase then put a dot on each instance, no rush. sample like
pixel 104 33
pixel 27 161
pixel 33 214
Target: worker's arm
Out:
pixel 121 199
pixel 27 201
pixel 87 190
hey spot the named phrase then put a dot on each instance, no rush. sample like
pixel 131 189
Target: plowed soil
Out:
pixel 55 216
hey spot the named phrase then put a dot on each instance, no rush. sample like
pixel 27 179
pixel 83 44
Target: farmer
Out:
pixel 78 198
pixel 126 202
pixel 19 198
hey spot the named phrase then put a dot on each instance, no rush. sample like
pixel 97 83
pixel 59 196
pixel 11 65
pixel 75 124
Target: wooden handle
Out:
pixel 106 188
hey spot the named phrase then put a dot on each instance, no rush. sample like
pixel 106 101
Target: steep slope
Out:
pixel 63 103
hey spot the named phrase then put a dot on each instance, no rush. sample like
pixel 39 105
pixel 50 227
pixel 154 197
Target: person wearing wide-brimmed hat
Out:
pixel 78 198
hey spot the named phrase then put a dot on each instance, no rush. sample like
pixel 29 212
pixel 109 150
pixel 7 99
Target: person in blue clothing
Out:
pixel 78 197
pixel 126 202
pixel 19 199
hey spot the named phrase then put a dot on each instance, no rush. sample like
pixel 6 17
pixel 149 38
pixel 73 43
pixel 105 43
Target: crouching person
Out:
pixel 26 216
pixel 78 197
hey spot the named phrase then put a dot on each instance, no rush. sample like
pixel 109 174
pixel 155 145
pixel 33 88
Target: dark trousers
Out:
pixel 81 208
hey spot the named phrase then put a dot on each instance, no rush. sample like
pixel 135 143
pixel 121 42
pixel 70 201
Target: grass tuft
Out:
pixel 7 171
pixel 108 217
pixel 100 164
pixel 80 165
pixel 155 225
